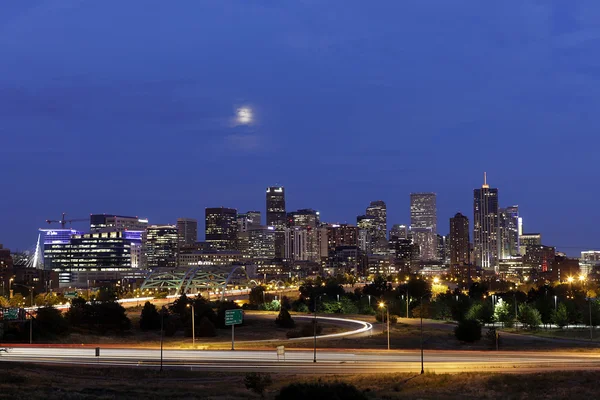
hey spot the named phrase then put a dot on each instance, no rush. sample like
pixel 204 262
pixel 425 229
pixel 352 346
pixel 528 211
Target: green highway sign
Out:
pixel 11 313
pixel 71 294
pixel 233 317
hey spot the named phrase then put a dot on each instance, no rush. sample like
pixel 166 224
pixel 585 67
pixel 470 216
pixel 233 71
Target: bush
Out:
pixel 482 312
pixel 284 319
pixel 172 324
pixel 529 316
pixel 150 318
pixel 50 322
pixel 468 331
pixel 560 317
pixel 299 306
pixel 320 391
pixel 257 382
pixel 205 328
pixel 393 318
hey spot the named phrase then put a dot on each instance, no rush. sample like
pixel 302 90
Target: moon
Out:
pixel 244 115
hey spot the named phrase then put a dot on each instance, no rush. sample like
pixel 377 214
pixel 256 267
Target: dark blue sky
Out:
pixel 127 106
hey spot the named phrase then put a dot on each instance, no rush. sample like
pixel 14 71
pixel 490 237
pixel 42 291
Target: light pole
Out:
pixel 315 328
pixel 193 325
pixel 421 314
pixel 382 305
pixel 555 303
pixel 30 315
pixel 589 299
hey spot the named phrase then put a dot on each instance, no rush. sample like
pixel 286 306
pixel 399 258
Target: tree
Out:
pixel 257 295
pixel 378 287
pixel 205 328
pixel 106 295
pixel 17 300
pixel 503 313
pixel 560 317
pixel 284 319
pixel 4 302
pixel 529 316
pixel 468 331
pixel 482 312
pixel 477 291
pixel 50 322
pixel 150 318
pixel 257 382
pixel 111 316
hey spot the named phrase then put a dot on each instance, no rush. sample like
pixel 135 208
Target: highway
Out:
pixel 301 361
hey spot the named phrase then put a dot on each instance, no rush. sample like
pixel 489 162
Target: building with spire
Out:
pixel 485 226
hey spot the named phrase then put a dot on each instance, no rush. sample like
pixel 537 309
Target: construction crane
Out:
pixel 63 222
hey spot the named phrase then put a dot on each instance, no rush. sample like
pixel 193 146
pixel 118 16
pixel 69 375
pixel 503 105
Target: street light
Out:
pixel 193 324
pixel 421 314
pixel 555 303
pixel 30 316
pixel 315 327
pixel 382 305
pixel 436 280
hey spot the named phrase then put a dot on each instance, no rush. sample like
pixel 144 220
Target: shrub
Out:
pixel 320 391
pixel 205 328
pixel 257 382
pixel 468 331
pixel 50 322
pixel 284 319
pixel 529 316
pixel 299 306
pixel 379 316
pixel 560 317
pixel 150 318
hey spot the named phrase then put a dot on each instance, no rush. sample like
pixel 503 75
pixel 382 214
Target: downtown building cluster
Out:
pixel 298 243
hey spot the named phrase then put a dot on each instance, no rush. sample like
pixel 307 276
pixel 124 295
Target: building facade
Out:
pixel 485 227
pixel 162 246
pixel 527 240
pixel 377 210
pixel 459 244
pixel 423 224
pixel 508 224
pixel 277 217
pixel 187 231
pixel 221 228
pixel 115 223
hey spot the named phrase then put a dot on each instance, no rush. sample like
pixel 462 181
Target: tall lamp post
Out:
pixel 382 305
pixel 421 314
pixel 30 288
pixel 193 324
pixel 315 328
pixel 589 299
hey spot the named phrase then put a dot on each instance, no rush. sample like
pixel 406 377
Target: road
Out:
pixel 301 361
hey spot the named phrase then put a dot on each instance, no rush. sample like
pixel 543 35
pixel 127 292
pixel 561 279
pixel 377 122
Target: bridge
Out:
pixel 207 278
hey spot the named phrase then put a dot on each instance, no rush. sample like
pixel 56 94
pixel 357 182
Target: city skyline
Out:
pixel 201 226
pixel 331 109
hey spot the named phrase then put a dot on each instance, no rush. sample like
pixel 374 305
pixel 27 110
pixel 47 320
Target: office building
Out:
pixel 589 261
pixel 423 224
pixel 528 240
pixel 485 226
pixel 187 231
pixel 277 218
pixel 162 246
pixel 539 257
pixel 297 244
pixel 367 236
pixel 248 220
pixel 85 259
pixel 399 232
pixel 341 235
pixel 6 269
pixel 221 228
pixel 508 224
pixel 459 246
pixel 442 250
pixel 346 260
pixel 56 243
pixel 211 257
pixel 115 223
pixel 258 242
pixel 377 210
pixel 306 220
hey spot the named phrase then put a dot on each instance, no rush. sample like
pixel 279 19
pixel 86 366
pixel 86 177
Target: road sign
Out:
pixel 71 294
pixel 233 317
pixel 280 352
pixel 11 313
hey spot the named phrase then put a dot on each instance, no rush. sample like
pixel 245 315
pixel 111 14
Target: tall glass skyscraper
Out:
pixel 276 217
pixel 423 224
pixel 485 226
pixel 508 224
pixel 378 211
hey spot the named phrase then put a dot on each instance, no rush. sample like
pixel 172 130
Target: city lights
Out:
pixel 244 115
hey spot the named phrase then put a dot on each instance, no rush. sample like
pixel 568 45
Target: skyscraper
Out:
pixel 162 243
pixel 187 229
pixel 221 228
pixel 508 222
pixel 116 223
pixel 423 224
pixel 459 240
pixel 306 220
pixel 367 227
pixel 485 226
pixel 378 211
pixel 276 217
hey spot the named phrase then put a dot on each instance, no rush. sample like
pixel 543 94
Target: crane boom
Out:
pixel 63 222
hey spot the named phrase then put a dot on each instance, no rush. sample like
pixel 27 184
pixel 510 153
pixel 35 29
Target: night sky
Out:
pixel 128 107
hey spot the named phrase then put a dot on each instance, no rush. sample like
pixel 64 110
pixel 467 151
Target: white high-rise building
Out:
pixel 423 224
